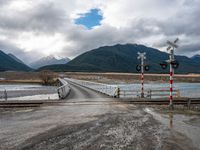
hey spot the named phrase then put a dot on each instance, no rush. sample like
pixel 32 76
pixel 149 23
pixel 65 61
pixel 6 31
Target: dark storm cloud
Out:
pixel 186 23
pixel 190 47
pixel 44 18
pixel 183 27
pixel 84 40
pixel 50 17
pixel 4 2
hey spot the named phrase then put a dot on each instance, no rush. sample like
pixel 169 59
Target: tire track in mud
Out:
pixel 130 130
pixel 122 127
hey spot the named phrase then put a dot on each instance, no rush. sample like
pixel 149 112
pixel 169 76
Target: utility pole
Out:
pixel 173 64
pixel 141 68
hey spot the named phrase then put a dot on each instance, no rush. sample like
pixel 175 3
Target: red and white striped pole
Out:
pixel 171 73
pixel 142 57
pixel 142 78
pixel 172 46
pixel 171 87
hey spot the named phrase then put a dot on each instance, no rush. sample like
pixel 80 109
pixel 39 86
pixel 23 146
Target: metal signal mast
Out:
pixel 141 68
pixel 173 65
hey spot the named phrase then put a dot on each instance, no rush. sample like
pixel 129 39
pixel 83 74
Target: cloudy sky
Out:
pixel 31 29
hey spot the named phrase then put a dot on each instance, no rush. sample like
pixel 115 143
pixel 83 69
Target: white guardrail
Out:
pixel 110 90
pixel 115 91
pixel 64 89
pixel 126 93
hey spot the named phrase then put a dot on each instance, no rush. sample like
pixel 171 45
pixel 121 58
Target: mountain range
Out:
pixel 196 58
pixel 15 58
pixel 9 62
pixel 117 58
pixel 49 60
pixel 123 58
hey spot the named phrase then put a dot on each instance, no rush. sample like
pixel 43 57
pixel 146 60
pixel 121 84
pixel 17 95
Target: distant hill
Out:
pixel 196 58
pixel 15 58
pixel 49 60
pixel 8 63
pixel 123 58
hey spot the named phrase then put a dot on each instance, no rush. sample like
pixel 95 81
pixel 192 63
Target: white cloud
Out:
pixel 37 42
pixel 47 26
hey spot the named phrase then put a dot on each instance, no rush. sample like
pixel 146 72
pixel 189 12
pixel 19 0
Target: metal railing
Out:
pixel 64 89
pixel 126 93
pixel 115 91
pixel 162 93
pixel 129 93
pixel 4 95
pixel 109 90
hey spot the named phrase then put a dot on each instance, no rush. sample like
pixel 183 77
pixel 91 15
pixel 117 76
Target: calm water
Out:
pixel 36 91
pixel 28 92
pixel 186 89
pixel 36 97
pixel 18 87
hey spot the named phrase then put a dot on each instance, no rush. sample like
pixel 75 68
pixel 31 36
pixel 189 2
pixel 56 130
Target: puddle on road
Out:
pixel 188 125
pixel 25 110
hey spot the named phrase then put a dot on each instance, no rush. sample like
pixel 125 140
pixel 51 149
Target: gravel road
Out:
pixel 88 120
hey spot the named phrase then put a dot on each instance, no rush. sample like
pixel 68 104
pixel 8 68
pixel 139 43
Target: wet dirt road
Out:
pixel 88 120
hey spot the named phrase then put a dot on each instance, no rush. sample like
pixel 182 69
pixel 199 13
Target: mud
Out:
pixel 188 125
pixel 98 125
pixel 134 129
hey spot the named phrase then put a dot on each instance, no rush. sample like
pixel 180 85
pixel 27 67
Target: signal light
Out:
pixel 175 64
pixel 138 68
pixel 163 65
pixel 146 68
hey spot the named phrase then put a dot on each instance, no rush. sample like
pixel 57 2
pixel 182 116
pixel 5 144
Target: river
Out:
pixel 186 89
pixel 28 92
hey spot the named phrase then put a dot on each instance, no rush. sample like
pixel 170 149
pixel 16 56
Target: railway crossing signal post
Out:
pixel 173 64
pixel 141 68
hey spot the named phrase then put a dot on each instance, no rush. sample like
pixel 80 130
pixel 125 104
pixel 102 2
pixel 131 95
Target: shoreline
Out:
pixel 20 81
pixel 132 77
pixel 109 77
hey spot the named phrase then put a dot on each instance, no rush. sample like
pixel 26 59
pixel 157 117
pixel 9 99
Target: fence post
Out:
pixel 138 96
pixel 178 94
pixel 150 94
pixel 118 92
pixel 188 103
pixel 59 94
pixel 5 95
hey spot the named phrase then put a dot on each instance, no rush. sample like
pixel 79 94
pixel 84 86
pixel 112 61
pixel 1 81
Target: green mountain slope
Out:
pixel 122 58
pixel 15 58
pixel 7 63
pixel 196 58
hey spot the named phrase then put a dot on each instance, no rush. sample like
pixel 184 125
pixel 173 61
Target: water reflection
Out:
pixel 27 92
pixel 170 119
pixel 179 122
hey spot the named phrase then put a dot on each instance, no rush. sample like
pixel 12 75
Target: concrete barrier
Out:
pixel 64 89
